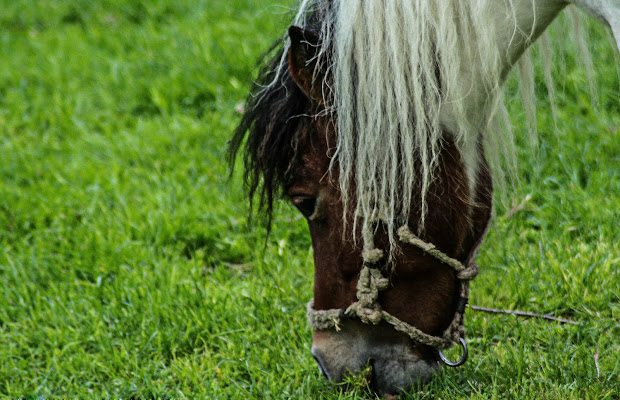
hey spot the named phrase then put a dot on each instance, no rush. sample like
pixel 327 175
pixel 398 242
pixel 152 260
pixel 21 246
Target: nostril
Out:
pixel 320 367
pixel 317 358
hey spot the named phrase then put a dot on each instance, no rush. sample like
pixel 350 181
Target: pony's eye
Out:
pixel 306 205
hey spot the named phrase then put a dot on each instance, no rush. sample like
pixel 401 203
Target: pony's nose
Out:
pixel 396 366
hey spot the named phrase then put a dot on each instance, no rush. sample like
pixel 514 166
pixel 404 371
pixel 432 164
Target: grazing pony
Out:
pixel 370 118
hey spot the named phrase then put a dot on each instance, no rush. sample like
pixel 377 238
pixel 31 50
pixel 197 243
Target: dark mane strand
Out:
pixel 269 132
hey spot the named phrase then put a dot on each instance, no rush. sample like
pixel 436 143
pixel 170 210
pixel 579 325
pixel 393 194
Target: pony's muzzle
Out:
pixel 396 365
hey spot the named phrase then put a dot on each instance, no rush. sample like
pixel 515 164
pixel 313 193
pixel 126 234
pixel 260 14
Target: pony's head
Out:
pixel 290 149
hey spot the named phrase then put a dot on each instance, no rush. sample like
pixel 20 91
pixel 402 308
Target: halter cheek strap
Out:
pixel 372 281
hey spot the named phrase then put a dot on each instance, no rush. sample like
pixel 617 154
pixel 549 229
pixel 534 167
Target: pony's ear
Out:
pixel 302 61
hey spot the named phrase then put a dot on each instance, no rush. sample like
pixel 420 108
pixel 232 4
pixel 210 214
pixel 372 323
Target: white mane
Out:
pixel 404 72
pixel 397 67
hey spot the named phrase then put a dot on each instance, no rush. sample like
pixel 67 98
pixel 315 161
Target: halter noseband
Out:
pixel 372 281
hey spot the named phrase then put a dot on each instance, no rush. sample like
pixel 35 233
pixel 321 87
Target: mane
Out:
pixel 274 111
pixel 393 67
pixel 397 68
pixel 399 75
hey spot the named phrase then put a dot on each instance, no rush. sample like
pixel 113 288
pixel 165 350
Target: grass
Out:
pixel 127 268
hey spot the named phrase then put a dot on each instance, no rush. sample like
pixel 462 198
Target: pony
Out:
pixel 371 117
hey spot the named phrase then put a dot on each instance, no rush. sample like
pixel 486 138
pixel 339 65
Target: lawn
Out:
pixel 128 269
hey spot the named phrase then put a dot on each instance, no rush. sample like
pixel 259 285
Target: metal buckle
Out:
pixel 461 361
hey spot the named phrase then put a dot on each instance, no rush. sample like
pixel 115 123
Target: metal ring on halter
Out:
pixel 461 361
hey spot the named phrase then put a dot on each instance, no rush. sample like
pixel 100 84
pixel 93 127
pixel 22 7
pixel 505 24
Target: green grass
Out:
pixel 126 265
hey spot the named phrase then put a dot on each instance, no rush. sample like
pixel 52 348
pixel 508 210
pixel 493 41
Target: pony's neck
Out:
pixel 518 23
pixel 514 26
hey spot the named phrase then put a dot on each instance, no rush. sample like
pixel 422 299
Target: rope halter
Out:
pixel 372 281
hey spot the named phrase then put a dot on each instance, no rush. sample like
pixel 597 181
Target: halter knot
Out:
pixel 369 284
pixel 372 256
pixel 367 314
pixel 468 273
